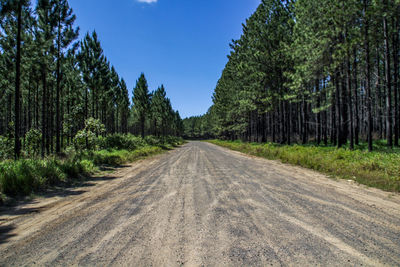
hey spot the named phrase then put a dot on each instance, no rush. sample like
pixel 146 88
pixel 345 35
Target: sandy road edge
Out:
pixel 27 217
pixel 338 183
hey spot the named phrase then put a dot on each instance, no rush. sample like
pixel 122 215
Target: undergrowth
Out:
pixel 29 175
pixel 380 169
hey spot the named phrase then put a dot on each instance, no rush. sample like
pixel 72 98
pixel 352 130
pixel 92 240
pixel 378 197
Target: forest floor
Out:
pixel 201 204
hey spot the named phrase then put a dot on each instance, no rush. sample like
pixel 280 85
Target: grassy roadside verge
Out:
pixel 376 169
pixel 25 177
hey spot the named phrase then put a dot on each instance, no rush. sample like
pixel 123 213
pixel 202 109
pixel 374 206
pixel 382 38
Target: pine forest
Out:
pixel 54 85
pixel 325 72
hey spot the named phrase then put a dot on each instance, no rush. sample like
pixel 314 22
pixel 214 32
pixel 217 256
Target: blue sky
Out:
pixel 182 44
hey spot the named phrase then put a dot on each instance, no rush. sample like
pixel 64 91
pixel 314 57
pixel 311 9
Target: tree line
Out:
pixel 153 113
pixel 51 83
pixel 323 71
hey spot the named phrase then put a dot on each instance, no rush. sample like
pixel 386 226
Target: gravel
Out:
pixel 205 205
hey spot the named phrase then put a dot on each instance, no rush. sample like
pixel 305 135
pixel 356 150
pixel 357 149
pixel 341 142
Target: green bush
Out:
pixel 163 140
pixel 71 168
pixel 52 172
pixel 33 140
pixel 152 140
pixel 87 167
pixel 120 142
pixel 112 141
pixel 131 142
pixel 8 179
pixel 172 140
pixel 6 148
pixel 118 157
pixel 24 176
pixel 105 157
pixel 87 137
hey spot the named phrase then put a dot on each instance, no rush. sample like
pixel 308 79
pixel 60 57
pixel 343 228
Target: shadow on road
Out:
pixel 19 206
pixel 18 211
pixel 15 206
pixel 5 233
pixel 62 192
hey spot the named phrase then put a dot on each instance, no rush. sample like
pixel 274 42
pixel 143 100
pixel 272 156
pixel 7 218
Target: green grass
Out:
pixel 118 157
pixel 26 176
pixel 380 169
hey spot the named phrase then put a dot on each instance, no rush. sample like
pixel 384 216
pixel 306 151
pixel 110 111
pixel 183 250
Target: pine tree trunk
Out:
pixel 142 121
pixel 299 120
pixel 58 119
pixel 356 109
pixel 282 122
pixel 86 104
pixel 343 105
pixel 44 111
pixel 93 103
pixel 395 41
pixel 29 109
pixel 50 129
pixel 333 120
pixel 325 115
pixel 305 122
pixel 37 105
pixel 318 124
pixel 9 113
pixel 378 98
pixel 368 77
pixel 350 102
pixel 273 127
pixel 68 97
pixel 289 122
pixel 17 145
pixel 339 125
pixel 389 127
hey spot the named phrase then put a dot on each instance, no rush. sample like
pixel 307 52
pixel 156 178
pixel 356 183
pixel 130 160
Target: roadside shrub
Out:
pixel 87 137
pixel 72 168
pixel 8 179
pixel 50 170
pixel 87 167
pixel 116 141
pixel 118 157
pixel 172 140
pixel 20 177
pixel 153 140
pixel 83 140
pixel 121 142
pixel 105 157
pixel 33 140
pixel 135 142
pixel 6 148
pixel 24 176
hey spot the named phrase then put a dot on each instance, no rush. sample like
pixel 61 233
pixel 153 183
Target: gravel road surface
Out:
pixel 202 205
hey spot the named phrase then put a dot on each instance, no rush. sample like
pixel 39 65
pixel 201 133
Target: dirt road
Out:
pixel 204 205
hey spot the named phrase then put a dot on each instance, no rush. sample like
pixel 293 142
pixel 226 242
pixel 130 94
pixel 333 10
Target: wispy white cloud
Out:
pixel 147 1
